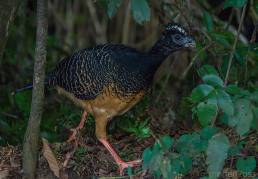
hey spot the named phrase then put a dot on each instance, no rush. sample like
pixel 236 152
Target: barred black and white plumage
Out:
pixel 87 72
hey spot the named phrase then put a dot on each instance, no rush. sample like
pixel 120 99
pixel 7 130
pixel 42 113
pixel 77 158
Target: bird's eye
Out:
pixel 177 37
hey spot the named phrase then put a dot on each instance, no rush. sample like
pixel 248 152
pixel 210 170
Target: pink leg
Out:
pixel 121 164
pixel 80 126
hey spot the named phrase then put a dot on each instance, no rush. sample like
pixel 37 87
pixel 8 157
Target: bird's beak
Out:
pixel 190 42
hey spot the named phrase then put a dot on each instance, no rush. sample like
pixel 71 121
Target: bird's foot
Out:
pixel 72 137
pixel 79 127
pixel 123 165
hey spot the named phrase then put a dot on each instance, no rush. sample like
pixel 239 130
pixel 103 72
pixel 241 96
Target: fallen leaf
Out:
pixel 50 157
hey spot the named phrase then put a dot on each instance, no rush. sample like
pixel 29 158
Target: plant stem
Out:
pixel 234 45
pixel 31 138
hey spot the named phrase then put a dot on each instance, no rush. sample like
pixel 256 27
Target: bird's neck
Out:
pixel 159 52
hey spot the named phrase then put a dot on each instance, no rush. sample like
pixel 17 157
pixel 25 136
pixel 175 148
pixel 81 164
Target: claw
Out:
pixel 123 165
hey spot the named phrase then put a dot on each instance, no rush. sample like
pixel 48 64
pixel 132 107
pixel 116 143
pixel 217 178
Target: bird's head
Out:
pixel 174 38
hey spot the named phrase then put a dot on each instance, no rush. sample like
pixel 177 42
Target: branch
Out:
pixel 7 13
pixel 126 28
pixel 234 45
pixel 101 35
pixel 31 138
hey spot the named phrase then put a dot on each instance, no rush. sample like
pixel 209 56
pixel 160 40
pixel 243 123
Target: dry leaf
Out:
pixel 4 174
pixel 51 159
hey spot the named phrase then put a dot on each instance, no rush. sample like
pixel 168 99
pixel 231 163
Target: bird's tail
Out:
pixel 48 82
pixel 27 87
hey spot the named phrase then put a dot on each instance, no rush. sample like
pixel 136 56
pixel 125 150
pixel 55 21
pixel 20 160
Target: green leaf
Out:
pixel 190 144
pixel 216 154
pixel 235 149
pixel 207 132
pixel 207 20
pixel 254 97
pixel 213 80
pixel 246 165
pixel 225 103
pixel 166 142
pixel 113 6
pixel 234 3
pixel 233 89
pixel 207 70
pixel 255 120
pixel 200 92
pixel 206 113
pixel 186 164
pixel 222 38
pixel 147 156
pixel 243 116
pixel 140 10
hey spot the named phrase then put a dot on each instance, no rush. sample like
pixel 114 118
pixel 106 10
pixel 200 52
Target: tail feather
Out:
pixel 49 81
pixel 27 87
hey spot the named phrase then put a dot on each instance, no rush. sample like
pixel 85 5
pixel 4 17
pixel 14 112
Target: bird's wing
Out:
pixel 84 74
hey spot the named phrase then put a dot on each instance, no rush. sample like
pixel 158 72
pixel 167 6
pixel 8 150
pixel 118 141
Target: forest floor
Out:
pixel 91 160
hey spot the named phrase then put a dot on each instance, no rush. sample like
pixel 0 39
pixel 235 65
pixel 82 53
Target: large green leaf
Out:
pixel 113 6
pixel 207 70
pixel 216 154
pixel 140 10
pixel 234 3
pixel 233 89
pixel 255 120
pixel 207 20
pixel 166 142
pixel 190 144
pixel 243 115
pixel 200 92
pixel 225 103
pixel 207 132
pixel 213 80
pixel 206 112
pixel 246 165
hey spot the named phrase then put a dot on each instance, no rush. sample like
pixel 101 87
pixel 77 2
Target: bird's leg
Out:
pixel 80 126
pixel 121 164
pixel 101 133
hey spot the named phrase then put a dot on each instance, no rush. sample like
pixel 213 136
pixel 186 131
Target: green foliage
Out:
pixel 216 154
pixel 140 10
pixel 243 116
pixel 246 165
pixel 237 105
pixel 200 92
pixel 169 158
pixel 164 163
pixel 234 3
pixel 206 112
pixel 207 20
pixel 113 6
pixel 138 128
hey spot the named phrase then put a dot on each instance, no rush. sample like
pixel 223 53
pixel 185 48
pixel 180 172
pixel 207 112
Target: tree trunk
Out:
pixel 7 12
pixel 31 139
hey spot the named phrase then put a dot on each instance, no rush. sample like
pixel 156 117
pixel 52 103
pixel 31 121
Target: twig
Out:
pixel 9 115
pixel 126 29
pixel 234 45
pixel 254 14
pixel 101 36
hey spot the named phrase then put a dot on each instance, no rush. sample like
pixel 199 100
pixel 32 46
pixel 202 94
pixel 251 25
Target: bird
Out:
pixel 109 79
